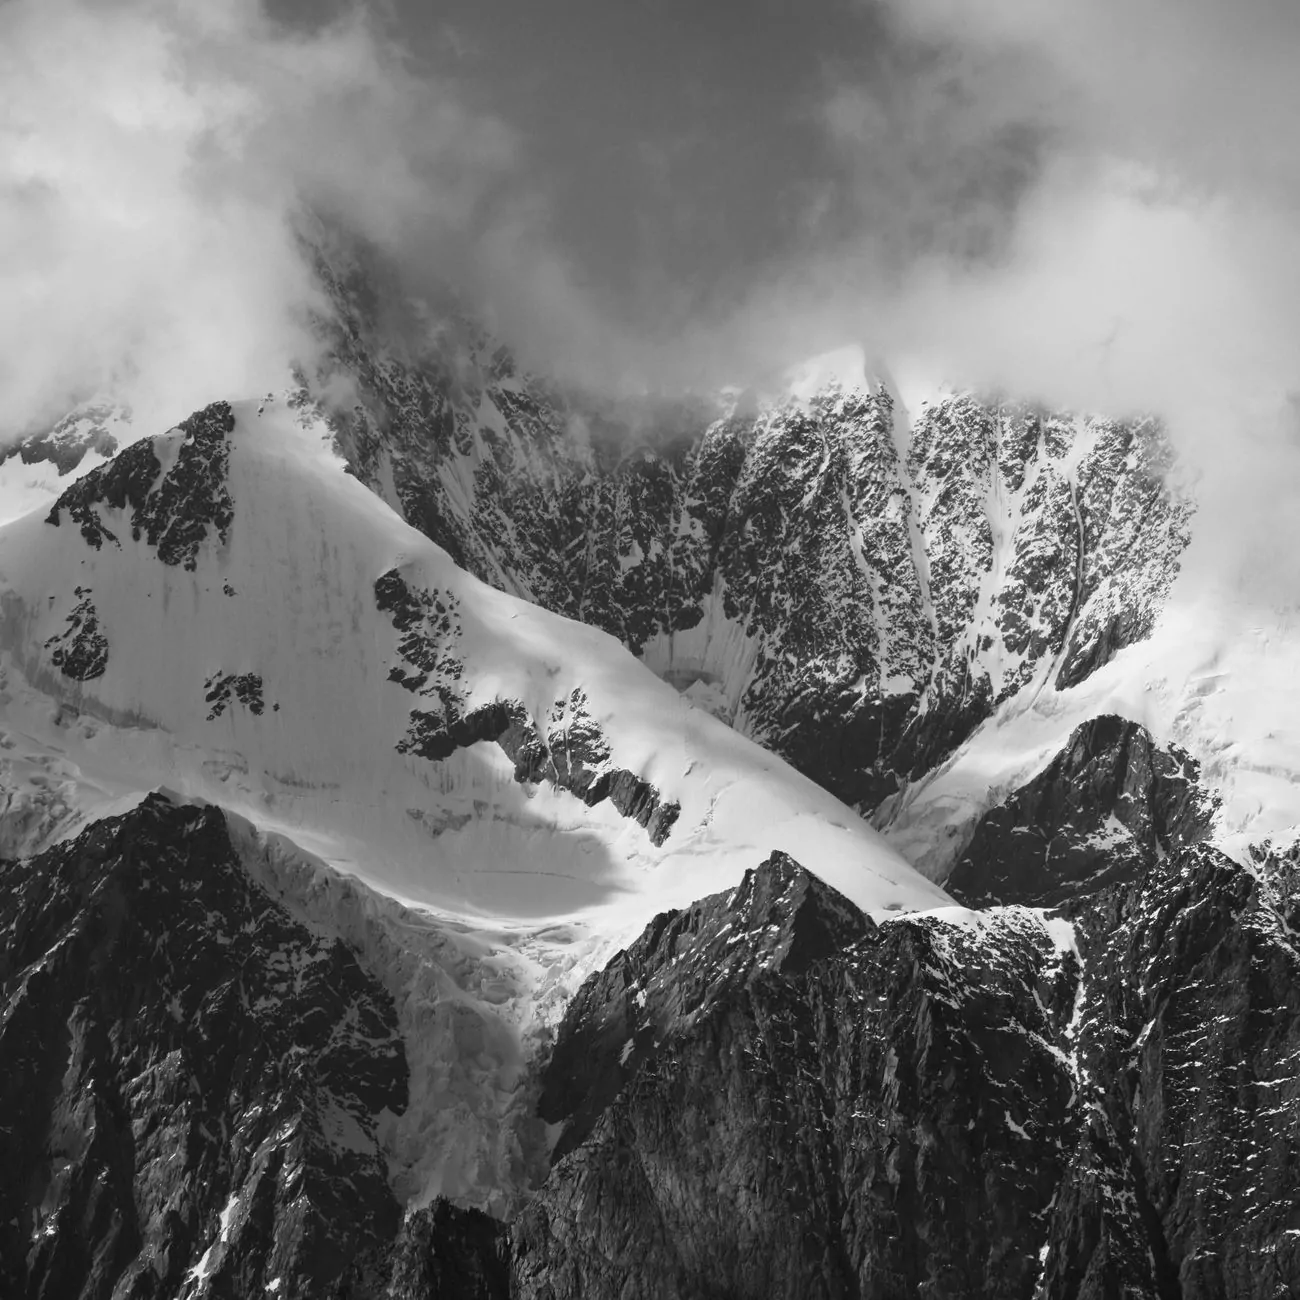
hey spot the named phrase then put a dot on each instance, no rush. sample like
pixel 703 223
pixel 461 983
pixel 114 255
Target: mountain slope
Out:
pixel 1002 1103
pixel 225 611
pixel 765 1094
pixel 193 1082
pixel 913 595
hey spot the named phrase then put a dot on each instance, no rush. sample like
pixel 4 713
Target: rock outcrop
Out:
pixel 80 650
pixel 568 750
pixel 1105 809
pixel 86 430
pixel 1082 1086
pixel 171 510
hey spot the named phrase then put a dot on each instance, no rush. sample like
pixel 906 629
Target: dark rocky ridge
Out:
pixel 174 1046
pixel 1188 1182
pixel 173 515
pixel 1105 810
pixel 445 1253
pixel 779 917
pixel 67 443
pixel 173 512
pixel 766 1094
pixel 829 1119
pixel 946 1109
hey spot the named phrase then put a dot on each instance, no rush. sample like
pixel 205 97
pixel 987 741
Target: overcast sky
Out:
pixel 1094 202
pixel 676 157
pixel 679 148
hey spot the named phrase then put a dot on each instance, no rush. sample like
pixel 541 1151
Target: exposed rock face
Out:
pixel 446 1253
pixel 125 480
pixel 765 1095
pixel 936 1107
pixel 222 689
pixel 779 917
pixel 192 1080
pixel 1106 809
pixel 1131 539
pixel 80 651
pixel 1186 1177
pixel 570 752
pixel 813 1107
pixel 854 589
pixel 173 515
pixel 65 445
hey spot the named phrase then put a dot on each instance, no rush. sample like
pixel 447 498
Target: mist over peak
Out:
pixel 1019 199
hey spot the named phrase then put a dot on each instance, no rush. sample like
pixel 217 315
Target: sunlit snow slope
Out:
pixel 231 616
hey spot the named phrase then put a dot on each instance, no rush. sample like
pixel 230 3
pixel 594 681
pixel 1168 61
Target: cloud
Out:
pixel 1089 202
pixel 1149 259
pixel 1154 263
pixel 154 159
pixel 1194 86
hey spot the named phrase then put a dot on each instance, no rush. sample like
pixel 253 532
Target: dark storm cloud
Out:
pixel 1154 263
pixel 680 155
pixel 1152 260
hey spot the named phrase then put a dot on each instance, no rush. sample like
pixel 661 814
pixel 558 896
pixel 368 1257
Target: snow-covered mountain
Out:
pixel 854 573
pixel 469 836
pixel 224 610
pixel 37 469
pixel 224 613
pixel 913 594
